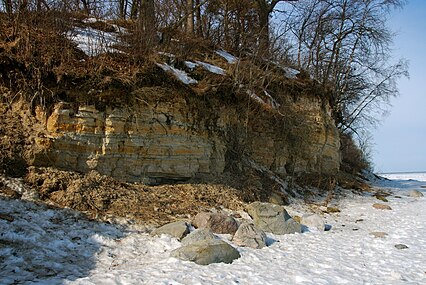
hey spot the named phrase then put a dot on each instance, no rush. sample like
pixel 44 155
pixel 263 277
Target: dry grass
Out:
pixel 102 196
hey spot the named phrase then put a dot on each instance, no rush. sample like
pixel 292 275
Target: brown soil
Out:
pixel 101 196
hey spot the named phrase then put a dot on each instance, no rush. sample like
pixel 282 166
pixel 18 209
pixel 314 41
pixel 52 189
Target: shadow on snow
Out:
pixel 45 245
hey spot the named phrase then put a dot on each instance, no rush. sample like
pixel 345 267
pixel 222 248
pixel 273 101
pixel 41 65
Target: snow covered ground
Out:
pixel 43 245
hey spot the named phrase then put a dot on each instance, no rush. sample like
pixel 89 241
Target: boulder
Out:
pixel 198 235
pixel 205 252
pixel 177 229
pixel 415 194
pixel 273 218
pixel 313 221
pixel 217 222
pixel 291 227
pixel 248 235
pixel 381 206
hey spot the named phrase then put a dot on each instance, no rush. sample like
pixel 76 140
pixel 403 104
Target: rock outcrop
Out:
pixel 171 138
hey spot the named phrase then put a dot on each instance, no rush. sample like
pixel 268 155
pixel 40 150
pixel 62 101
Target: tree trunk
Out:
pixel 199 20
pixel 85 7
pixel 264 10
pixel 135 9
pixel 122 9
pixel 264 32
pixel 190 17
pixel 147 22
pixel 23 6
pixel 8 6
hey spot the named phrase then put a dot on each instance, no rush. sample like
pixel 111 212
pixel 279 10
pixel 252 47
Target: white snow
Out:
pixel 291 72
pixel 167 54
pixel 191 65
pixel 227 56
pixel 405 176
pixel 179 74
pixel 212 68
pixel 93 42
pixel 91 20
pixel 51 246
pixel 269 99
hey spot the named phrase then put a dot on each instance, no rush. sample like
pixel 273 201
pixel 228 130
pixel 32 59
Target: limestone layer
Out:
pixel 166 141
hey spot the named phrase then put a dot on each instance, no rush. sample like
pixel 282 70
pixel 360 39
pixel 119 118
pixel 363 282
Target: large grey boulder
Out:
pixel 313 221
pixel 248 235
pixel 205 252
pixel 415 194
pixel 273 218
pixel 177 229
pixel 217 222
pixel 198 235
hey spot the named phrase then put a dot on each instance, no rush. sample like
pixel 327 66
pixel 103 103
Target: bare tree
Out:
pixel 344 44
pixel 264 10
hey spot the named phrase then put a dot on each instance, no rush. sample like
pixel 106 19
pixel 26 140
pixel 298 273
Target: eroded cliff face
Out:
pixel 169 140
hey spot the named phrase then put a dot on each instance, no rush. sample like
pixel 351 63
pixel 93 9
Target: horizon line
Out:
pixel 401 172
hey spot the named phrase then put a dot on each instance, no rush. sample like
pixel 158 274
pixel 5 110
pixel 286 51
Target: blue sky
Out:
pixel 400 141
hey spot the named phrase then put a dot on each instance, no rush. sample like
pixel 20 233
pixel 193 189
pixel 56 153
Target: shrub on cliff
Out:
pixel 353 159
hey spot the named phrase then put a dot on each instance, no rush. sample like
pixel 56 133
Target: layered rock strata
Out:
pixel 155 143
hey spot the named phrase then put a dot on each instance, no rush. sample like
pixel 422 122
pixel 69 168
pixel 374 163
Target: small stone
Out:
pixel 6 217
pixel 177 229
pixel 381 206
pixel 332 210
pixel 8 192
pixel 415 194
pixel 297 218
pixel 381 198
pixel 401 246
pixel 198 235
pixel 248 235
pixel 379 234
pixel 217 222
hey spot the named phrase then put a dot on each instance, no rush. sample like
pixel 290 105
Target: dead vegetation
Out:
pixel 12 146
pixel 101 196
